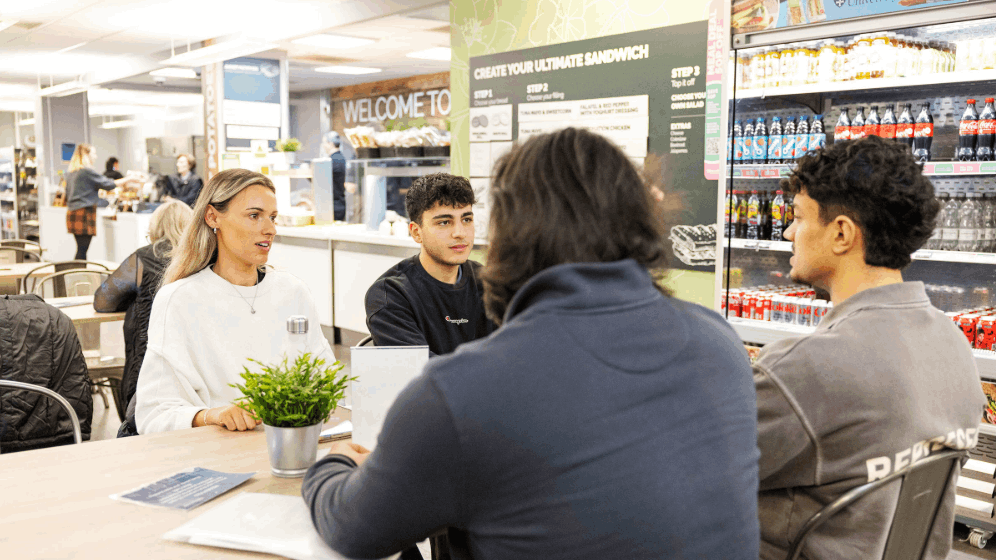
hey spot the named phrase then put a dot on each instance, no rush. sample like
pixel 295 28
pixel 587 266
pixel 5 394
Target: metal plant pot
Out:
pixel 292 450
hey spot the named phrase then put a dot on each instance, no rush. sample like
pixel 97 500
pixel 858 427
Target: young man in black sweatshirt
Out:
pixel 433 299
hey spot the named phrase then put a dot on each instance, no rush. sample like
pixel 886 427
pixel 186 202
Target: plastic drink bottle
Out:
pixel 887 129
pixel 935 239
pixel 923 134
pixel 842 131
pixel 753 216
pixel 760 142
pixel 801 137
pixel 777 216
pixel 872 122
pixel 905 128
pixel 817 137
pixel 749 141
pixel 738 142
pixel 775 141
pixel 858 125
pixel 987 132
pixel 741 215
pixel 949 225
pixel 968 133
pixel 788 140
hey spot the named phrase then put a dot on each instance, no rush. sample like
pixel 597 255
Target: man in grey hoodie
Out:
pixel 603 419
pixel 886 379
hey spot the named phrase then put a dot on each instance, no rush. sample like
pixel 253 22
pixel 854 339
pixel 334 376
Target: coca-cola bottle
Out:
pixel 968 133
pixel 858 125
pixel 923 134
pixel 887 129
pixel 842 130
pixel 987 132
pixel 905 128
pixel 872 122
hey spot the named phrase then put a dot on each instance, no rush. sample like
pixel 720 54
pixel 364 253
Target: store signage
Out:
pixel 412 105
pixel 757 15
pixel 251 109
pixel 252 79
pixel 644 90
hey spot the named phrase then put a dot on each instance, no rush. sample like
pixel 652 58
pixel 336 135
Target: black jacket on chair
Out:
pixel 38 345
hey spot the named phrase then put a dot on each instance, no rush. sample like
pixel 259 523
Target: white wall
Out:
pixel 7 133
pixel 106 143
pixel 131 140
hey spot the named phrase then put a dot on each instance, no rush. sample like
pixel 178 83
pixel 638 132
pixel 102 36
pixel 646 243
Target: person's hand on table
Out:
pixel 230 417
pixel 352 450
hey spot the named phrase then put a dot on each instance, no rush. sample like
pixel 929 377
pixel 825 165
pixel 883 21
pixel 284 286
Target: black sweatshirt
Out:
pixel 406 306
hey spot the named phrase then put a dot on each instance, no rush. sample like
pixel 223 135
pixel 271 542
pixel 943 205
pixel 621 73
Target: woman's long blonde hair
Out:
pixel 199 246
pixel 168 224
pixel 82 157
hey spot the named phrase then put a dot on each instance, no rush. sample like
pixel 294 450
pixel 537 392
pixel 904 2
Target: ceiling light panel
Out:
pixel 333 42
pixel 351 70
pixel 170 72
pixel 219 52
pixel 436 53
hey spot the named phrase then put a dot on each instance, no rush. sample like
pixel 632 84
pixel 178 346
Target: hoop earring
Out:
pixel 215 231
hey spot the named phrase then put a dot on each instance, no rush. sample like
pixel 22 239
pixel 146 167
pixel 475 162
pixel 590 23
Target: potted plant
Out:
pixel 289 146
pixel 293 399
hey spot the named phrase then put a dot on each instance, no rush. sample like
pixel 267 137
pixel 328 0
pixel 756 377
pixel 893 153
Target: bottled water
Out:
pixel 934 243
pixel 988 223
pixel 949 224
pixel 968 217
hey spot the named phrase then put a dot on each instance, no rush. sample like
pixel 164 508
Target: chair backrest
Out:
pixel 25 244
pixel 922 488
pixel 70 283
pixel 77 434
pixel 28 281
pixel 369 339
pixel 14 255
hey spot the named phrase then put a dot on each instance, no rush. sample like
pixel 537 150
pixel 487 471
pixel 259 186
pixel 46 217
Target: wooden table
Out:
pixel 84 313
pixel 55 501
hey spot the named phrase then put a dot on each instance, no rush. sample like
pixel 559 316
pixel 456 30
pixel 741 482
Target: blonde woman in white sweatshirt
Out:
pixel 219 306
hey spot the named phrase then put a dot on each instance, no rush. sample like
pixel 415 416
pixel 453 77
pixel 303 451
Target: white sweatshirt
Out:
pixel 201 336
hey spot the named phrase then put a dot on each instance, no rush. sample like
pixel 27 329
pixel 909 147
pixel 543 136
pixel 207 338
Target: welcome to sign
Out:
pixel 417 100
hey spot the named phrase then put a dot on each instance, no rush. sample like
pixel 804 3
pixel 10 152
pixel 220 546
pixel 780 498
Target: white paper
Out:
pixel 480 159
pixel 381 372
pixel 499 149
pixel 258 523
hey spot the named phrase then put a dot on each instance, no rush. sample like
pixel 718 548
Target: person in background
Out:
pixel 217 308
pixel 83 186
pixel 433 299
pixel 185 186
pixel 885 380
pixel 603 419
pixel 111 170
pixel 132 287
pixel 331 148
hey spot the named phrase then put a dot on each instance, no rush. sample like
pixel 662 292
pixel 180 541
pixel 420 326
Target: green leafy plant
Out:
pixel 292 394
pixel 288 145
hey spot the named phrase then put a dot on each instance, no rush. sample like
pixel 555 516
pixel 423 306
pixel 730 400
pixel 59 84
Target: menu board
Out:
pixel 645 91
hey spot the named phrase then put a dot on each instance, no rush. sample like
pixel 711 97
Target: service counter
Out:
pixel 118 235
pixel 339 263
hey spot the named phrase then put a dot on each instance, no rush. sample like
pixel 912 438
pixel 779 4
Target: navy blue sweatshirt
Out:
pixel 406 306
pixel 602 420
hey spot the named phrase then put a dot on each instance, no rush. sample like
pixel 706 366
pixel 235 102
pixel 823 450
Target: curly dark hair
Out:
pixel 566 197
pixel 879 185
pixel 446 189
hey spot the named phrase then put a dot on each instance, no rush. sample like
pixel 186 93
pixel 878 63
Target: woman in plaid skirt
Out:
pixel 82 185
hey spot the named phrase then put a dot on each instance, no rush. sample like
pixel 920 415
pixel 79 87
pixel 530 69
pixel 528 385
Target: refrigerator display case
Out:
pixel 909 77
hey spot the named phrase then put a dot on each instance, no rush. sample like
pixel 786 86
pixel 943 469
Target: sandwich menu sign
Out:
pixel 757 15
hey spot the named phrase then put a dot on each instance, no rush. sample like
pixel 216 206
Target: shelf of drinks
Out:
pixel 921 255
pixel 961 78
pixel 767 332
pixel 931 169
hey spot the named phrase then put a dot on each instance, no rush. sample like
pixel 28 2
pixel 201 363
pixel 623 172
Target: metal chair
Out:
pixel 922 487
pixel 28 281
pixel 16 255
pixel 77 434
pixel 366 340
pixel 68 283
pixel 25 244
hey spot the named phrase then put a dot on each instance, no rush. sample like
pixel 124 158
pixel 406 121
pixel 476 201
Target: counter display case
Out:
pixel 913 78
pixel 375 186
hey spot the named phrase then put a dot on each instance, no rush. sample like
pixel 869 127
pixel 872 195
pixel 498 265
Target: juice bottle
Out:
pixel 741 214
pixel 753 216
pixel 876 55
pixel 777 216
pixel 863 66
pixel 825 62
pixel 772 67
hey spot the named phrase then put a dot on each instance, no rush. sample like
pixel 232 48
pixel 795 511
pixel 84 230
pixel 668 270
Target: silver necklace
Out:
pixel 252 307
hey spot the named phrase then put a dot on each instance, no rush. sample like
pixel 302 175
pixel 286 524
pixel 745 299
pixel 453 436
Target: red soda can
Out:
pixel 747 302
pixel 791 310
pixel 758 314
pixel 969 323
pixel 985 336
pixel 766 308
pixel 722 302
pixel 734 303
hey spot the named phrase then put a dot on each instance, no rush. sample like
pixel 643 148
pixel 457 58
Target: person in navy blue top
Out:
pixel 185 186
pixel 603 419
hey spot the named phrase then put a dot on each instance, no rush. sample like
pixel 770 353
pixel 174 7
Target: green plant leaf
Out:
pixel 292 394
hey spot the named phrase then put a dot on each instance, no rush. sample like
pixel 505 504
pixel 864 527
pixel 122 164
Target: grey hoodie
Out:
pixel 885 380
